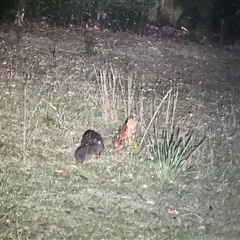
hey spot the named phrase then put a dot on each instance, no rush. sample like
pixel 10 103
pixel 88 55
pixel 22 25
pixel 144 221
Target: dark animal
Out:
pixel 89 136
pixel 92 144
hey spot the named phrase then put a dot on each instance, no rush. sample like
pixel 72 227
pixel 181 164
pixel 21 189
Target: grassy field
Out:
pixel 52 89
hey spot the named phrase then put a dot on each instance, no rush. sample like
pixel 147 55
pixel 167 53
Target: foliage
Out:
pixel 198 34
pixel 129 15
pixel 164 13
pixel 170 156
pixel 60 11
pixel 7 11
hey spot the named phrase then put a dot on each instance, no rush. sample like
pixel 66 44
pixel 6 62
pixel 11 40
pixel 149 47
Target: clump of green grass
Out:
pixel 170 156
pixel 169 153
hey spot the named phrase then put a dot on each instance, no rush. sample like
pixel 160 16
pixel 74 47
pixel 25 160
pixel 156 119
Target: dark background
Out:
pixel 203 18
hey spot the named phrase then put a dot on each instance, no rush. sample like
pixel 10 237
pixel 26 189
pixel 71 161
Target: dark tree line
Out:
pixel 199 16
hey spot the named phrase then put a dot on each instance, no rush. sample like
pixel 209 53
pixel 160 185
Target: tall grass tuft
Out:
pixel 170 156
pixel 169 153
pixel 117 97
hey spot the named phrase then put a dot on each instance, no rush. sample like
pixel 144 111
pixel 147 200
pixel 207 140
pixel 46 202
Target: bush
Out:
pixel 164 13
pixel 198 34
pixel 128 14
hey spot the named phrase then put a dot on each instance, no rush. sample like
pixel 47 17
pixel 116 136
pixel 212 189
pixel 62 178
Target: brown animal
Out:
pixel 125 133
pixel 92 144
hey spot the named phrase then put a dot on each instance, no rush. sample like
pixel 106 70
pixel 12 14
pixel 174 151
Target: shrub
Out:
pixel 164 13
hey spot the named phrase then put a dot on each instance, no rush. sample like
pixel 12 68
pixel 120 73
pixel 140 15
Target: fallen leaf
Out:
pixel 172 211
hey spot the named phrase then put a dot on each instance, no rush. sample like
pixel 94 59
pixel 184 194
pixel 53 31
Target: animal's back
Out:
pixel 86 152
pixel 92 144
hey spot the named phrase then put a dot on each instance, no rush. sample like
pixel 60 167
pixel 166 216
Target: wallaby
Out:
pixel 92 144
